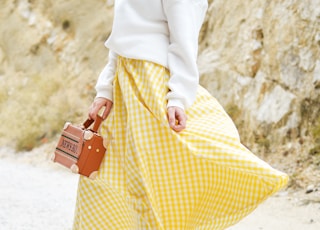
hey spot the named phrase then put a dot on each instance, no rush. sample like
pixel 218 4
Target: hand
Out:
pixel 177 118
pixel 97 104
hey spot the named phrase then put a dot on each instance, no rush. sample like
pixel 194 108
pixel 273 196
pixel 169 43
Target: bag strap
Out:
pixel 87 123
pixel 96 124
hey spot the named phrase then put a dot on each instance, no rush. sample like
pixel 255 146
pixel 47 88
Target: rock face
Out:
pixel 50 55
pixel 261 59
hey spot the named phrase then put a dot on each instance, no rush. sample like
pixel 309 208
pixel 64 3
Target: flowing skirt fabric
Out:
pixel 155 178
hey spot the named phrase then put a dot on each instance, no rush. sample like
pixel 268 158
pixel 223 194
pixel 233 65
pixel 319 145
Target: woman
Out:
pixel 174 159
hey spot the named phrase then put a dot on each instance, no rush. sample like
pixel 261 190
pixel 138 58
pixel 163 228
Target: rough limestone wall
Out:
pixel 261 59
pixel 51 52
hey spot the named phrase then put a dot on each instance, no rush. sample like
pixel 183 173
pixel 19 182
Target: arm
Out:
pixel 104 88
pixel 185 18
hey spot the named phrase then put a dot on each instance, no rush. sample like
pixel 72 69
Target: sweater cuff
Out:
pixel 105 94
pixel 175 102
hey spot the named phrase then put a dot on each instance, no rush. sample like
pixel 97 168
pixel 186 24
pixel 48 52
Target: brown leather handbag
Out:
pixel 81 149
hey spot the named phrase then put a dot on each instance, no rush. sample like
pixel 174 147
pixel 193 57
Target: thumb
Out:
pixel 171 116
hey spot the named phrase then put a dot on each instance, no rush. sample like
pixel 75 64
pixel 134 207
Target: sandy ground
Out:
pixel 37 196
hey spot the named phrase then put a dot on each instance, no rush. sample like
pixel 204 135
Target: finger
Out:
pixel 179 127
pixel 107 110
pixel 96 106
pixel 181 119
pixel 93 112
pixel 94 109
pixel 171 117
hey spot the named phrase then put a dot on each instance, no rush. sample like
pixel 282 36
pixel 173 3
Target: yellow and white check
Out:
pixel 155 178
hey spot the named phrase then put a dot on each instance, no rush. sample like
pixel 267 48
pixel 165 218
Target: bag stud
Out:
pixel 87 135
pixel 74 168
pixel 66 125
pixel 93 175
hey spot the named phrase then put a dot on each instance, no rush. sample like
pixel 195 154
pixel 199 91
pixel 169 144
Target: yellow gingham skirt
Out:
pixel 155 178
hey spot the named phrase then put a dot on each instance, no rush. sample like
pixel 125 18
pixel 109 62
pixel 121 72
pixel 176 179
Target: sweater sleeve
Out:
pixel 185 18
pixel 104 86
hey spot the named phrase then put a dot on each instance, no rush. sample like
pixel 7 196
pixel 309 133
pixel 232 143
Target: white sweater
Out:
pixel 161 31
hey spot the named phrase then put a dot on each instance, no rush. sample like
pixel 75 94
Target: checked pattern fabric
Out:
pixel 155 178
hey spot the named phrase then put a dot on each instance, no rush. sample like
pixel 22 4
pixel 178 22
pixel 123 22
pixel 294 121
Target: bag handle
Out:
pixel 96 125
pixel 87 123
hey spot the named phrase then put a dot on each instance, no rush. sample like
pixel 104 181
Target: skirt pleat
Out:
pixel 155 178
